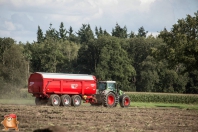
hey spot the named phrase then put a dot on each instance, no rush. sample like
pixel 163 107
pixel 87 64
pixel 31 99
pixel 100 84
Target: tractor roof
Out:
pixel 108 81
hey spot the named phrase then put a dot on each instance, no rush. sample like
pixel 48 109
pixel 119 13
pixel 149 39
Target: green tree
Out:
pixel 28 57
pixel 119 32
pixel 72 37
pixel 148 75
pixel 85 33
pixel 96 31
pixel 181 43
pixel 140 52
pixel 40 37
pixel 132 34
pixel 62 32
pixel 88 56
pixel 106 33
pixel 68 58
pixel 5 44
pixel 13 69
pixel 142 32
pixel 53 56
pixel 51 33
pixel 49 51
pixel 114 63
pixel 192 84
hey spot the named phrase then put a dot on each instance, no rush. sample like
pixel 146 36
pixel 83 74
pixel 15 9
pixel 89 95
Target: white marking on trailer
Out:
pixel 74 86
pixel 92 85
pixel 31 83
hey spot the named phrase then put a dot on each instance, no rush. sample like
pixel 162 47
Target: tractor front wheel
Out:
pixel 124 101
pixel 109 100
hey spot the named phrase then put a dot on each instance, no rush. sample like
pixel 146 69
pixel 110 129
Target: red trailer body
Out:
pixel 69 89
pixel 43 85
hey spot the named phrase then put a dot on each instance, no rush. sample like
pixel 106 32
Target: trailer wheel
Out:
pixel 65 100
pixel 109 100
pixel 54 100
pixel 76 100
pixel 124 101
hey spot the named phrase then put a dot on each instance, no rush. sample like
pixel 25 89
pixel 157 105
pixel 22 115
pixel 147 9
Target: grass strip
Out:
pixel 17 101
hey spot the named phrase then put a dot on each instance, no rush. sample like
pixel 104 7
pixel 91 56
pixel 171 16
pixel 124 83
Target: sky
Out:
pixel 19 19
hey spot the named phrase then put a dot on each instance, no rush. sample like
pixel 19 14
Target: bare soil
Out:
pixel 101 119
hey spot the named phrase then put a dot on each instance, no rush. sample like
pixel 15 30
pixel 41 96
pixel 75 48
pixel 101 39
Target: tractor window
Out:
pixel 111 86
pixel 102 86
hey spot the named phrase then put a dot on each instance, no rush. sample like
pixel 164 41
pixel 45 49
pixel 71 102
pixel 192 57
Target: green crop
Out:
pixel 163 98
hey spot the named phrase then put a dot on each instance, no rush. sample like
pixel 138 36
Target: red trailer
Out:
pixel 61 88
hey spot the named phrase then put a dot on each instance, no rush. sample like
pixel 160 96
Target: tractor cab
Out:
pixel 109 95
pixel 107 85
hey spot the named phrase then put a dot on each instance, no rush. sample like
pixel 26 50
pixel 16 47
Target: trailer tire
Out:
pixel 65 100
pixel 76 100
pixel 109 100
pixel 54 100
pixel 124 101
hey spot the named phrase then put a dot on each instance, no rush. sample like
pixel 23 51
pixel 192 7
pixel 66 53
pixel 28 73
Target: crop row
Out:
pixel 164 98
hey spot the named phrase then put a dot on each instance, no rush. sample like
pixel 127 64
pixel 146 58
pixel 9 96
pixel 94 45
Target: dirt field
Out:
pixel 93 118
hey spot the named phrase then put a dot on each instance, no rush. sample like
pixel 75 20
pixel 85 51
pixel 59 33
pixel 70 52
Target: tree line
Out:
pixel 138 62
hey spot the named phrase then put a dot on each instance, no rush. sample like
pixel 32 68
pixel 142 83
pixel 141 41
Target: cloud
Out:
pixel 9 25
pixel 145 5
pixel 5 33
pixel 22 17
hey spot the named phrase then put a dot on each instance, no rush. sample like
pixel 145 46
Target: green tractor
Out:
pixel 109 95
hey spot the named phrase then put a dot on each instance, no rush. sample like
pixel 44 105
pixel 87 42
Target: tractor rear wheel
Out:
pixel 76 100
pixel 124 101
pixel 109 100
pixel 65 100
pixel 54 100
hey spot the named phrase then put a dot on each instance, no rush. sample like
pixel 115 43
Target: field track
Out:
pixel 96 119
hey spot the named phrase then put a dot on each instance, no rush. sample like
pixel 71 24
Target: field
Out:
pixel 97 118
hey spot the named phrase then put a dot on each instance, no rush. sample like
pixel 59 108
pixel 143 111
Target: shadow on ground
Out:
pixel 52 129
